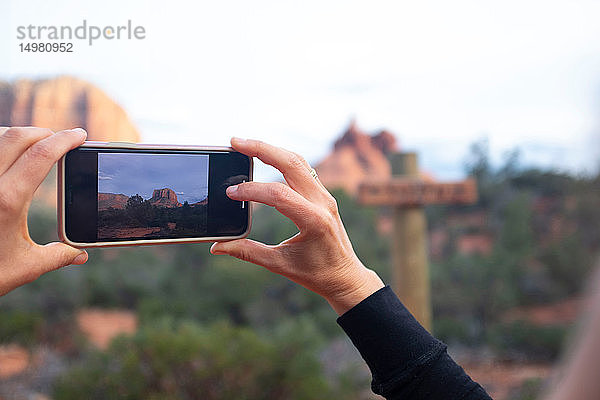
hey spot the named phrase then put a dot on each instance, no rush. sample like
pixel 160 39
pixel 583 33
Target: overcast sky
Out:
pixel 439 74
pixel 131 174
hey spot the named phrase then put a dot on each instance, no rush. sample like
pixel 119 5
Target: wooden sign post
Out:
pixel 408 194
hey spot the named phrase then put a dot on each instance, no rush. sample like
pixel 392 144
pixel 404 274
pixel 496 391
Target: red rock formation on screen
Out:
pixel 111 200
pixel 200 203
pixel 164 198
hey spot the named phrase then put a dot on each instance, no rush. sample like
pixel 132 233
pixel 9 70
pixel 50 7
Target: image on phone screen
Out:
pixel 152 196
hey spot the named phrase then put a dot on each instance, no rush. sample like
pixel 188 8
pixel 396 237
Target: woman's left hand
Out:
pixel 27 155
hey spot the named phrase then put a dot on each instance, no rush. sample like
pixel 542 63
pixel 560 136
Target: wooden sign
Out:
pixel 407 193
pixel 411 192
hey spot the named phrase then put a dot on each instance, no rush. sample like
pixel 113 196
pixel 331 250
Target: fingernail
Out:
pixel 232 190
pixel 215 251
pixel 239 140
pixel 80 131
pixel 80 259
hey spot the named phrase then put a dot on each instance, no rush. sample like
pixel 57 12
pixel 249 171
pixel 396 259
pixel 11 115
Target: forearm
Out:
pixel 405 360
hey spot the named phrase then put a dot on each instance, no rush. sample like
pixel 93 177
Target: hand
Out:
pixel 26 157
pixel 320 257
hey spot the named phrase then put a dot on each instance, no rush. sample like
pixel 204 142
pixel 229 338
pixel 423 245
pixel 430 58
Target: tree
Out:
pixel 139 210
pixel 134 201
pixel 478 161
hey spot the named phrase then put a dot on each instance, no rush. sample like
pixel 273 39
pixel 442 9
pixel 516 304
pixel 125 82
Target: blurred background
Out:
pixel 508 93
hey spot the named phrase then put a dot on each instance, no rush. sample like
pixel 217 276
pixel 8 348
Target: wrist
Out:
pixel 360 285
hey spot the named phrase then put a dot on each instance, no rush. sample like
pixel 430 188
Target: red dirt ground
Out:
pixel 13 360
pixel 101 326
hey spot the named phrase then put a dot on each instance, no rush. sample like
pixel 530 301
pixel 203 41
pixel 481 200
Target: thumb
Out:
pixel 56 255
pixel 248 250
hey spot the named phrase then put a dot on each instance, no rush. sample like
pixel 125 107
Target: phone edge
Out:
pixel 60 203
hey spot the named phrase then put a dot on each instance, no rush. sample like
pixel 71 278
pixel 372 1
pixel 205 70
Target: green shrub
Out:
pixel 535 342
pixel 530 390
pixel 20 327
pixel 190 361
pixel 568 263
pixel 451 330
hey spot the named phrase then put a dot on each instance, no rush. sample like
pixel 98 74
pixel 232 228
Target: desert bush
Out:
pixel 451 330
pixel 190 361
pixel 20 327
pixel 523 339
pixel 530 390
pixel 568 262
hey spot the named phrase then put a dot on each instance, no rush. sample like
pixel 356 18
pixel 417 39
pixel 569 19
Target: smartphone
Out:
pixel 125 194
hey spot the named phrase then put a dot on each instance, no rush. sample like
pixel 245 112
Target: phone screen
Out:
pixel 152 195
pixel 117 195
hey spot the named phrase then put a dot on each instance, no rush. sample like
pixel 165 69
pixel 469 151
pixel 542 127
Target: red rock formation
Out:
pixel 111 200
pixel 200 203
pixel 164 198
pixel 356 157
pixel 385 141
pixel 63 103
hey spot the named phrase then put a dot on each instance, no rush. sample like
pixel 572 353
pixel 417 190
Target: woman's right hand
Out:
pixel 320 257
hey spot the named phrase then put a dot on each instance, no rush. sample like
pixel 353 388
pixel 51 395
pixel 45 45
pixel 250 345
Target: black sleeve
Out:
pixel 405 360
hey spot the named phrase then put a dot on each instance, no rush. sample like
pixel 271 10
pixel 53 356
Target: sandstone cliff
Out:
pixel 111 200
pixel 62 103
pixel 200 203
pixel 164 198
pixel 356 157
